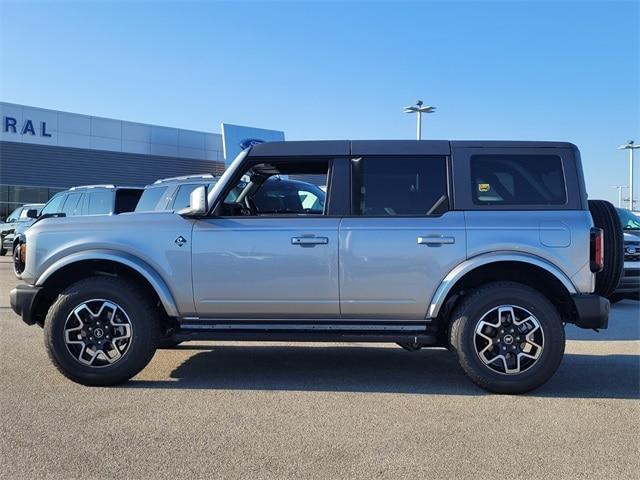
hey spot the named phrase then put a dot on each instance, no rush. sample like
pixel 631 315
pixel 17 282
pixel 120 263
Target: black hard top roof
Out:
pixel 317 148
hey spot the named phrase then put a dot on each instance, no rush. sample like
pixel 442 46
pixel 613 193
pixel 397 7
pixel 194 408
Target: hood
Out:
pixel 92 223
pixel 631 235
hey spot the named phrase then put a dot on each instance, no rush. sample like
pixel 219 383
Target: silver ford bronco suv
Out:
pixel 486 248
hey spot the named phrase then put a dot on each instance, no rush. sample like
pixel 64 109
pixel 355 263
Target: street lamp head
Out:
pixel 629 145
pixel 427 109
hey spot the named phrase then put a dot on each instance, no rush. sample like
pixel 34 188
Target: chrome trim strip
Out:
pixel 302 326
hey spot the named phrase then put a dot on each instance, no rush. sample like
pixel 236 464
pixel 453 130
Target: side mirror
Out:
pixel 32 213
pixel 198 203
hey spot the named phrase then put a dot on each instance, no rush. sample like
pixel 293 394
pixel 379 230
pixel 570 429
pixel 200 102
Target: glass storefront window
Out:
pixel 14 196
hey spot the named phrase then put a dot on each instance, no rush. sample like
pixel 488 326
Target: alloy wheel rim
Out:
pixel 98 333
pixel 509 339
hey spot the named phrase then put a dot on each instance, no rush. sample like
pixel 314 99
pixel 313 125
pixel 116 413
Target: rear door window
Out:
pixel 517 180
pixel 72 205
pixel 400 186
pixel 100 202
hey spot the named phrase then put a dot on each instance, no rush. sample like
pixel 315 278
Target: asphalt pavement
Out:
pixel 263 410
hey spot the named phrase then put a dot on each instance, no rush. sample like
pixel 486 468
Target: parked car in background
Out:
pixel 79 201
pixel 630 221
pixel 16 219
pixel 629 286
pixel 172 193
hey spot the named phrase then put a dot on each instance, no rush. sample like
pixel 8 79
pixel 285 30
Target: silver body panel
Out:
pixel 144 241
pixel 252 267
pixel 385 272
pixel 560 237
pixel 368 268
pixel 355 269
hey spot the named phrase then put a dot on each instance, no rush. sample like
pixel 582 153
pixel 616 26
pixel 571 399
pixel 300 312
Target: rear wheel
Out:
pixel 101 331
pixel 606 217
pixel 508 337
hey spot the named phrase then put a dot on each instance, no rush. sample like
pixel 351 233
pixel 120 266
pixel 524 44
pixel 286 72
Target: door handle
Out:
pixel 309 241
pixel 436 240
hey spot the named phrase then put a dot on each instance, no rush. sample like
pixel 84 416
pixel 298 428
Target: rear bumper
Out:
pixel 592 311
pixel 22 299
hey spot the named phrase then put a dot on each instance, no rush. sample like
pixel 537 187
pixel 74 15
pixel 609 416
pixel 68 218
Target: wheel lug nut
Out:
pixel 504 348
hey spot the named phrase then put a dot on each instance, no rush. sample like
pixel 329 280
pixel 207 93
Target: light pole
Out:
pixel 631 147
pixel 418 109
pixel 619 187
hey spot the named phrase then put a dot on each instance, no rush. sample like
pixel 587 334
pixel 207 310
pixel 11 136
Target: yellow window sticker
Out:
pixel 484 187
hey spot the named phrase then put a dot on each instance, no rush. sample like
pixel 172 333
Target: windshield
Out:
pixel 13 216
pixel 54 205
pixel 23 214
pixel 228 174
pixel 628 219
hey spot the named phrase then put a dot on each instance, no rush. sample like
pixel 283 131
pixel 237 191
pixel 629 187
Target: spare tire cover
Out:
pixel 605 217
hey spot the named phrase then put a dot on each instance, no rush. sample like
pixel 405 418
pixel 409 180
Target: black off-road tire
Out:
pixel 470 310
pixel 142 314
pixel 606 217
pixel 18 265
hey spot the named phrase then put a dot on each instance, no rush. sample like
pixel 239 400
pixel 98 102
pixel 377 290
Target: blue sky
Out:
pixel 496 70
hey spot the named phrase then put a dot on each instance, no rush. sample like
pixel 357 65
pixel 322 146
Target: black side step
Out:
pixel 306 331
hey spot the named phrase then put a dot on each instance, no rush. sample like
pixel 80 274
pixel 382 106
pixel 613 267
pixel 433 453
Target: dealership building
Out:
pixel 45 151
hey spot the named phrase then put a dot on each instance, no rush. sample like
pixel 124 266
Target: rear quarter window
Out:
pixel 517 180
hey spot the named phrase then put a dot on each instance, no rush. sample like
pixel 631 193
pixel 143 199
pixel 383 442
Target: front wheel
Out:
pixel 508 337
pixel 101 331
